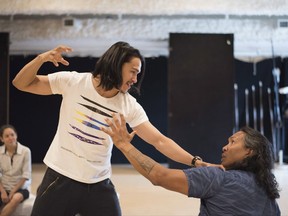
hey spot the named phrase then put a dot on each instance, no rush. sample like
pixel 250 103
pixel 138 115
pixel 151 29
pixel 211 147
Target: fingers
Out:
pixel 132 134
pixel 123 121
pixel 116 121
pixel 114 125
pixel 64 62
pixel 117 126
pixel 53 59
pixel 105 130
pixel 56 55
pixel 63 48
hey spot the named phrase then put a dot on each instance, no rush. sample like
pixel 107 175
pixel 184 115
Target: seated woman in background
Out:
pixel 15 171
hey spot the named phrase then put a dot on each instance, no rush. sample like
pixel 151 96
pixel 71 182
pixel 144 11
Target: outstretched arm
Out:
pixel 27 79
pixel 147 132
pixel 167 146
pixel 171 179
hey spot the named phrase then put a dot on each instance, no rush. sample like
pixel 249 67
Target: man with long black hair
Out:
pixel 77 181
pixel 246 185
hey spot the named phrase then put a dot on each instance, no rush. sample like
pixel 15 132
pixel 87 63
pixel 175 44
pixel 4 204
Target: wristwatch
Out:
pixel 194 161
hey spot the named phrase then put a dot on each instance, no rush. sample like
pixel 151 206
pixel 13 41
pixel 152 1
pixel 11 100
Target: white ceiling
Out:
pixel 38 25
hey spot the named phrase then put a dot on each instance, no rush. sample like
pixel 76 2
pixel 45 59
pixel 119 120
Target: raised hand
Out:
pixel 118 131
pixel 55 55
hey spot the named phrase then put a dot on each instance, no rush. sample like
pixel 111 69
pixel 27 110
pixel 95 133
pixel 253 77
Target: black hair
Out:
pixel 261 162
pixel 109 66
pixel 3 127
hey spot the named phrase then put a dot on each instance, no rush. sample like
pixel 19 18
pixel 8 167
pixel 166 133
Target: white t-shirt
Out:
pixel 80 150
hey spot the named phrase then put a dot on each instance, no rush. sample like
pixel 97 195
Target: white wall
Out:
pixel 37 25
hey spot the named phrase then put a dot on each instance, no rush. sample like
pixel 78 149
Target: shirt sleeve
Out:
pixel 204 182
pixel 60 80
pixel 27 169
pixel 138 115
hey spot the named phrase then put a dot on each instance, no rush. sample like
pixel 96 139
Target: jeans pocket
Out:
pixel 49 181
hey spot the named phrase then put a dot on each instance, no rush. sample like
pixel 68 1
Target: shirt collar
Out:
pixel 18 149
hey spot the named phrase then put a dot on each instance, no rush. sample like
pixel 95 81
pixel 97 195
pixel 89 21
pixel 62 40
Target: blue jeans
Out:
pixel 58 195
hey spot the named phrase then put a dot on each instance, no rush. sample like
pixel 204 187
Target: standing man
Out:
pixel 77 180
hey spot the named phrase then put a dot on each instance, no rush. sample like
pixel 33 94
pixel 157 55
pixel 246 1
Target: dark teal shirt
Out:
pixel 233 193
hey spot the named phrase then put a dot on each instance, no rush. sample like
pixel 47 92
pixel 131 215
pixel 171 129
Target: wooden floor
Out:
pixel 138 197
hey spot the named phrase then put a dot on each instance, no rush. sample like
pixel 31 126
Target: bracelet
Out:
pixel 194 161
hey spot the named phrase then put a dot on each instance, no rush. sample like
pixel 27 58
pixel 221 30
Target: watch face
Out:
pixel 194 160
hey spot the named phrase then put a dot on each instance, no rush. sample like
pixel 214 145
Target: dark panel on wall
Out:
pixel 4 78
pixel 36 117
pixel 284 111
pixel 200 91
pixel 258 88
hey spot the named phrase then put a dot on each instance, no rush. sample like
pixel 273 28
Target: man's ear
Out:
pixel 249 152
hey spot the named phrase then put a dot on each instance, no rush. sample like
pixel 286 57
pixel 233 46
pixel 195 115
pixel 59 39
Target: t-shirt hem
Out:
pixel 62 172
